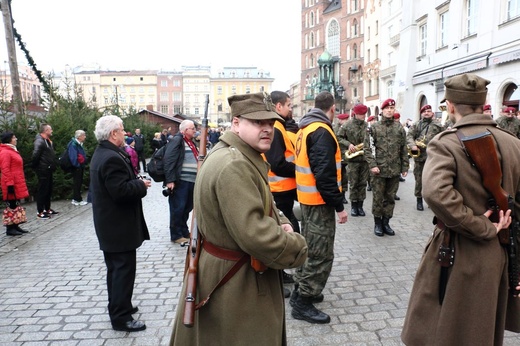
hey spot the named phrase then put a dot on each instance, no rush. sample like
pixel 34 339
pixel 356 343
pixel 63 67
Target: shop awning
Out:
pixel 502 57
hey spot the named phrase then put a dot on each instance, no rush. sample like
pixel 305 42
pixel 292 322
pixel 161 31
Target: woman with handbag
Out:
pixel 13 184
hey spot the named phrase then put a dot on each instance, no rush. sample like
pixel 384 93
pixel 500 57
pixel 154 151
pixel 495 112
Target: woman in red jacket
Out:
pixel 12 179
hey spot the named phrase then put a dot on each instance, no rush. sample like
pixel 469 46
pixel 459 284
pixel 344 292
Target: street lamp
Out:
pixel 340 92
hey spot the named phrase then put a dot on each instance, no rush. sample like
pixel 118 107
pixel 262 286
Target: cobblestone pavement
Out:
pixel 53 290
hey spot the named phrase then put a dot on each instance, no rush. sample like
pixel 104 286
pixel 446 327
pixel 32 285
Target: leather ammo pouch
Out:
pixel 446 253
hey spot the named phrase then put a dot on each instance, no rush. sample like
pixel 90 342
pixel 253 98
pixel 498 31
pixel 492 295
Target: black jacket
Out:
pixel 173 159
pixel 116 200
pixel 139 142
pixel 43 157
pixel 321 148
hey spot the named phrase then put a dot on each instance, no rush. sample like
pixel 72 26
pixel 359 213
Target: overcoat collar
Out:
pixel 475 119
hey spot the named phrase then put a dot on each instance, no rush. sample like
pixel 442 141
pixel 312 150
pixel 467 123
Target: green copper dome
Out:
pixel 325 58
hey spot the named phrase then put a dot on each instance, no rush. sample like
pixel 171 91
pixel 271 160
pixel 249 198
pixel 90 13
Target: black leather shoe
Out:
pixel 286 292
pixel 378 226
pixel 20 230
pixel 130 326
pixel 369 188
pixel 134 310
pixel 397 198
pixel 287 278
pixel 401 179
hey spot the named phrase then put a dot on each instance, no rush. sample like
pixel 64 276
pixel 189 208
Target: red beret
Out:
pixel 343 116
pixel 371 118
pixel 425 108
pixel 387 103
pixel 487 107
pixel 397 115
pixel 360 109
pixel 510 110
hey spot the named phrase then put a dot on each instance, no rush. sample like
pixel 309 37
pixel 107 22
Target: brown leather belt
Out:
pixel 220 252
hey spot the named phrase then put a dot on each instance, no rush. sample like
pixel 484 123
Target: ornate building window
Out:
pixel 333 38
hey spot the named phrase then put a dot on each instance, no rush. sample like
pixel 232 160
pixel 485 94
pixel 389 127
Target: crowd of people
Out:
pixel 249 183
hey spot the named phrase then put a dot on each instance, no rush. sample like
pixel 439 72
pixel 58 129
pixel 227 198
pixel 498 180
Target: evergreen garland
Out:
pixel 28 56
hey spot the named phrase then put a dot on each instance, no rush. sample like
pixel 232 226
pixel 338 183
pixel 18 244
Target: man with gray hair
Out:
pixel 78 160
pixel 118 219
pixel 180 170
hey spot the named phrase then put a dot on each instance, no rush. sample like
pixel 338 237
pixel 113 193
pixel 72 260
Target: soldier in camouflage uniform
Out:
pixel 387 156
pixel 508 121
pixel 351 134
pixel 422 131
pixel 342 120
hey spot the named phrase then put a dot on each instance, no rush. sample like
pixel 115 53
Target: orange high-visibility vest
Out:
pixel 305 181
pixel 281 184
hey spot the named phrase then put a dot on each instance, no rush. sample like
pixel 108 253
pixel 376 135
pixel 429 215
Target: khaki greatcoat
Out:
pixel 476 302
pixel 229 201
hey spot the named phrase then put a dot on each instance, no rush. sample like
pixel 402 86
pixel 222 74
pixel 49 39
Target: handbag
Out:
pixel 14 216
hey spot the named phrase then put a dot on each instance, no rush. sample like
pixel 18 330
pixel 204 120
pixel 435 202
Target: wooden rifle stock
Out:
pixel 481 148
pixel 193 252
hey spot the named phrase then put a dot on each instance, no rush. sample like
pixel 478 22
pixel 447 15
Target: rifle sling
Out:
pixel 240 257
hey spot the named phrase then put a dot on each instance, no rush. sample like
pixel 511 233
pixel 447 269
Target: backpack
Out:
pixel 155 166
pixel 64 159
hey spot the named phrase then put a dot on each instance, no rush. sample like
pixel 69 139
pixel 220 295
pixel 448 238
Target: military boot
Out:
pixel 378 228
pixel 369 188
pixel 303 309
pixel 295 294
pixel 345 198
pixel 354 209
pixel 360 210
pixel 419 204
pixel 386 226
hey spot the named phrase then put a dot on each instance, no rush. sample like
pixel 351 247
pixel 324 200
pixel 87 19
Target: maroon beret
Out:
pixel 425 108
pixel 371 118
pixel 360 109
pixel 510 110
pixel 343 116
pixel 388 102
pixel 487 107
pixel 397 115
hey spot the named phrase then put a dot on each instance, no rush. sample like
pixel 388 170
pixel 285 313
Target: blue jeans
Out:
pixel 181 204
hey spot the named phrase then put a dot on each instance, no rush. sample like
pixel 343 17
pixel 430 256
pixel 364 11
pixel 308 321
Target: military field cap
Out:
pixel 371 118
pixel 360 109
pixel 425 108
pixel 397 115
pixel 343 116
pixel 258 106
pixel 388 102
pixel 467 89
pixel 487 107
pixel 510 110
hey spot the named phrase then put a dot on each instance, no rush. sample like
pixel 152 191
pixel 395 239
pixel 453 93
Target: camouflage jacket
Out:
pixel 510 124
pixel 352 132
pixel 423 129
pixel 389 142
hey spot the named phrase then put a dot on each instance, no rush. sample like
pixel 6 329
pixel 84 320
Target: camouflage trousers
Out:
pixel 383 192
pixel 344 177
pixel 357 177
pixel 417 172
pixel 319 230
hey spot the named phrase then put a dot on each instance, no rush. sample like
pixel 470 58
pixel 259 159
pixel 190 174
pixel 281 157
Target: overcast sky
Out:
pixel 161 34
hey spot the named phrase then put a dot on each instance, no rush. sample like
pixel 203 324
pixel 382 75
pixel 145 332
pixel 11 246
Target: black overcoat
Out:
pixel 116 200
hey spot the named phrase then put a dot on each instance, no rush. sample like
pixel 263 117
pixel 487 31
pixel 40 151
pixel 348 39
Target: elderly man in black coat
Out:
pixel 118 219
